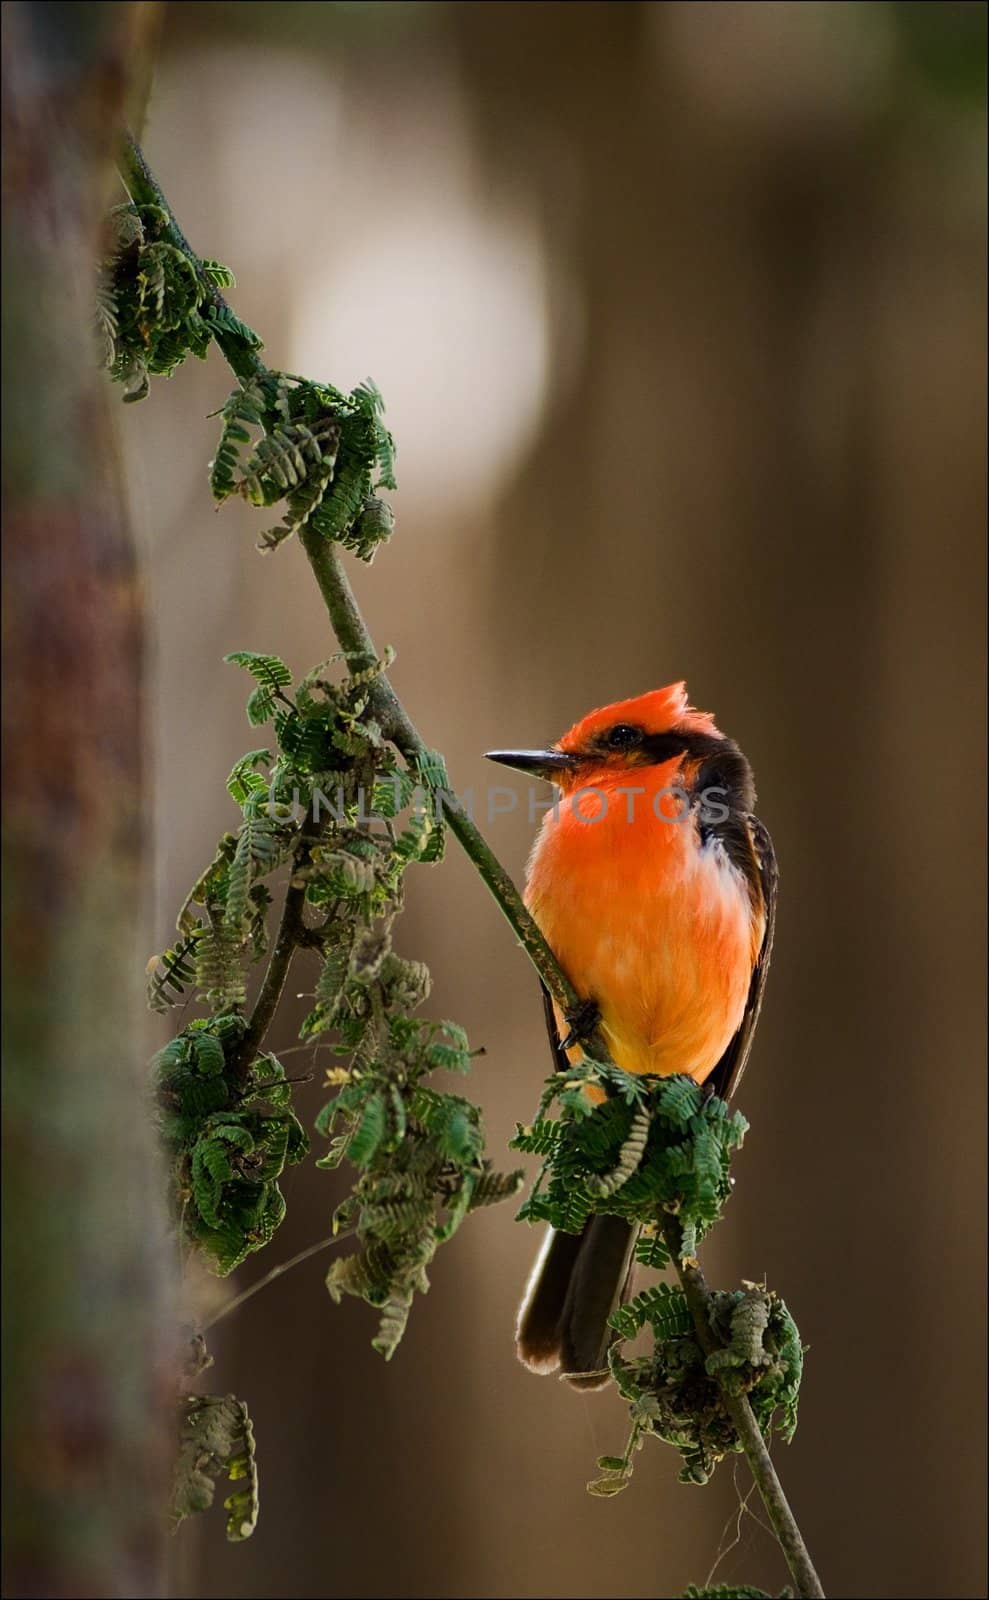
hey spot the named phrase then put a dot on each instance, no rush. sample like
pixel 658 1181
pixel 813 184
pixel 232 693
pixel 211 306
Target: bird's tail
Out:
pixel 577 1282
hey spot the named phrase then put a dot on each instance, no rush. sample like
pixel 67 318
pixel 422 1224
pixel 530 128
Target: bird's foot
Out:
pixel 581 1022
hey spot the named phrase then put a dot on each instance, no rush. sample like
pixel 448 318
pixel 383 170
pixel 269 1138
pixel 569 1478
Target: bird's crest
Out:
pixel 656 712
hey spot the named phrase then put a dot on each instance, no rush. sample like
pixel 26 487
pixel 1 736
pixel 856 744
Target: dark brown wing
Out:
pixel 762 866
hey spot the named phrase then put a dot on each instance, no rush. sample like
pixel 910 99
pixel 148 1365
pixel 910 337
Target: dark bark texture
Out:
pixel 85 1381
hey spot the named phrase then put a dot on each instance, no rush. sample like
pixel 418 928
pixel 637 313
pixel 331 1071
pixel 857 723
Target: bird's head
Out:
pixel 652 730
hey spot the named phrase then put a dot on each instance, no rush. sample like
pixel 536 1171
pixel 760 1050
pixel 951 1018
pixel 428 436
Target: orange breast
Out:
pixel 656 928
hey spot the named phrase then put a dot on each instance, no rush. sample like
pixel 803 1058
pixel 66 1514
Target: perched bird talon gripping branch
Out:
pixel 655 887
pixel 581 1023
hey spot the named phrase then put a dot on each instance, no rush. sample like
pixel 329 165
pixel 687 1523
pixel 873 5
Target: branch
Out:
pixel 287 941
pixel 291 934
pixel 698 1297
pixel 354 638
pixel 350 628
pixel 352 633
pixel 142 186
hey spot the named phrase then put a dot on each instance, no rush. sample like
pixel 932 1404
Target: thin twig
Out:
pixel 287 941
pixel 354 638
pixel 269 1277
pixel 738 1516
pixel 292 933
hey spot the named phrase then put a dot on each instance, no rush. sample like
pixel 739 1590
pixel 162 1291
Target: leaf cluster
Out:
pixel 320 452
pixel 631 1146
pixel 348 819
pixel 154 303
pixel 228 1138
pixel 322 767
pixel 674 1391
pixel 418 1150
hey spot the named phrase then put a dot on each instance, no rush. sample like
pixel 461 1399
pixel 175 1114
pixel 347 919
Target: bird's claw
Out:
pixel 581 1022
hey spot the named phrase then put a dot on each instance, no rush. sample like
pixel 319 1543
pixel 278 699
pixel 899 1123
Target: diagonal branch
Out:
pixel 353 636
pixel 349 625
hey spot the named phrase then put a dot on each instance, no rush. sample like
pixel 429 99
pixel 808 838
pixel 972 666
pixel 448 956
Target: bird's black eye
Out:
pixel 623 736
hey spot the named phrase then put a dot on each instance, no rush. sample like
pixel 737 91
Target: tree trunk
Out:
pixel 86 1382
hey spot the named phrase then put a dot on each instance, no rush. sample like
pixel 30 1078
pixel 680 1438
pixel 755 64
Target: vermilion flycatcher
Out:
pixel 655 887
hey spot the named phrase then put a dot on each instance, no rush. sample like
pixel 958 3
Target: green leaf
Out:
pixel 369 1133
pixel 540 1138
pixel 272 677
pixel 662 1306
pixel 218 273
pixel 223 320
pixel 174 970
pixel 244 781
pixel 216 1438
pixel 607 1488
pixel 269 671
pixel 650 1251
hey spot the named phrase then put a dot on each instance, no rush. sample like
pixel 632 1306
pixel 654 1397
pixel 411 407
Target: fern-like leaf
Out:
pixel 216 1438
pixel 172 972
pixel 272 677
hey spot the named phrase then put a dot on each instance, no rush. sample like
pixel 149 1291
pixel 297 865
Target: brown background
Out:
pixel 680 313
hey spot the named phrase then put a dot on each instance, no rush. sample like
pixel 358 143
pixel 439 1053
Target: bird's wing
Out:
pixel 763 871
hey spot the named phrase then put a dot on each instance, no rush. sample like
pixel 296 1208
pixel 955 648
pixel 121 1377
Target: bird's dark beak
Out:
pixel 549 764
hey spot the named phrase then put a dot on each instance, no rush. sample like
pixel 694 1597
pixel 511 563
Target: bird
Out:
pixel 655 886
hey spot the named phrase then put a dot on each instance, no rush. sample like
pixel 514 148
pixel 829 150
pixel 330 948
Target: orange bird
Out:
pixel 655 887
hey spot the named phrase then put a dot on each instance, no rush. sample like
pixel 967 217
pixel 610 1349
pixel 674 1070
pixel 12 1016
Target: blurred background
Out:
pixel 679 314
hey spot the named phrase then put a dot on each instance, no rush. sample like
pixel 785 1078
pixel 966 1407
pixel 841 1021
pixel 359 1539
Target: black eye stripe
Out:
pixel 665 746
pixel 722 764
